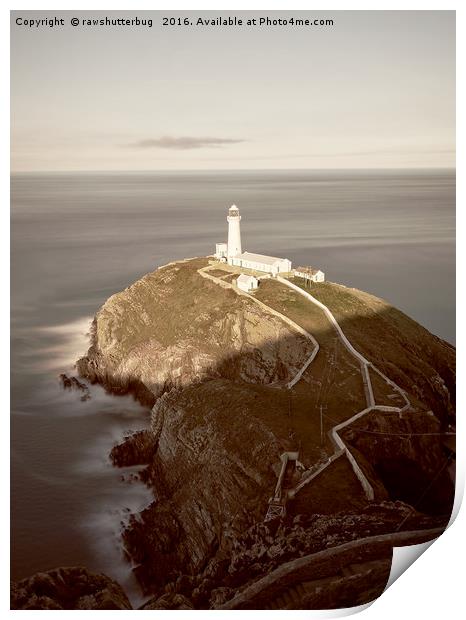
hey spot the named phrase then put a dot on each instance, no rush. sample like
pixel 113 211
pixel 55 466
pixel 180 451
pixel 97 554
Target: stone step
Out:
pixel 293 596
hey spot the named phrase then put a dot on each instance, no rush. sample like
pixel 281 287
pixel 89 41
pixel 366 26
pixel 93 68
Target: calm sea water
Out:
pixel 78 238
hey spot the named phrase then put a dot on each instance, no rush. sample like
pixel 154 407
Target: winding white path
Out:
pixel 339 445
pixel 204 272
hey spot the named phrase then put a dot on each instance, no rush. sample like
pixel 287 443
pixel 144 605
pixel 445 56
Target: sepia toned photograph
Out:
pixel 232 305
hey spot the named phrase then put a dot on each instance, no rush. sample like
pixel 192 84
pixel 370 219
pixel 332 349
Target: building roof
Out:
pixel 310 270
pixel 260 258
pixel 244 278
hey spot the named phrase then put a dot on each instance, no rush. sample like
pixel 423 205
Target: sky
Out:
pixel 375 90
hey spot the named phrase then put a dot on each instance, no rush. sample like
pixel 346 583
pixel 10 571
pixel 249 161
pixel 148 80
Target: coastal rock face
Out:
pixel 173 327
pixel 263 547
pixel 213 473
pixel 68 588
pixel 213 365
pixel 169 601
pixel 406 454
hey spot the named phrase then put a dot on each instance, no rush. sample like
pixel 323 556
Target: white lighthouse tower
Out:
pixel 232 253
pixel 234 232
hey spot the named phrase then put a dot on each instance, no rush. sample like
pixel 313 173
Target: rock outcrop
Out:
pixel 262 548
pixel 212 473
pixel 173 327
pixel 169 601
pixel 406 456
pixel 68 588
pixel 72 383
pixel 212 366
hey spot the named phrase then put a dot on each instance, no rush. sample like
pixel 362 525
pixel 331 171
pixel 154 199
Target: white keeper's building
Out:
pixel 247 283
pixel 231 252
pixel 308 273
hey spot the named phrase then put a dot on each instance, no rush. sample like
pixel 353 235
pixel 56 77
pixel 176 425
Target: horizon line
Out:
pixel 217 170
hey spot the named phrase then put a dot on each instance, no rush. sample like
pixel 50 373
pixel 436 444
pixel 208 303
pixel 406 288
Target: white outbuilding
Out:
pixel 247 283
pixel 221 251
pixel 308 273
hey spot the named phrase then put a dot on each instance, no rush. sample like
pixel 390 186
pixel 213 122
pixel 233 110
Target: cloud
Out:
pixel 183 143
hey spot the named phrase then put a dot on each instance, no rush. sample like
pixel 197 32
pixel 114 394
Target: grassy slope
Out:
pixel 166 303
pixel 404 350
pixel 396 344
pixel 333 380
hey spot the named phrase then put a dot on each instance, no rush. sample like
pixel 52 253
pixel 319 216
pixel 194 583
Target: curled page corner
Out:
pixel 351 611
pixel 404 557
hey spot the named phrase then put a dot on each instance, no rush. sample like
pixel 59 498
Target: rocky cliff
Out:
pixel 405 457
pixel 212 365
pixel 173 327
pixel 213 472
pixel 68 588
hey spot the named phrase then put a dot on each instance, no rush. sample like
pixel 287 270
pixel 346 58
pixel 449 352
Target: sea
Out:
pixel 77 238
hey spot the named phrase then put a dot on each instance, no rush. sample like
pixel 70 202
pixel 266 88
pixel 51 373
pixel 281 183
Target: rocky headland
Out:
pixel 68 588
pixel 216 368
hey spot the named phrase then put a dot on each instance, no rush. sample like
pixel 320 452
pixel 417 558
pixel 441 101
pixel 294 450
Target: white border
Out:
pixel 432 588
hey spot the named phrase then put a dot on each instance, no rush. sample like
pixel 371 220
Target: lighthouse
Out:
pixel 234 232
pixel 232 253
